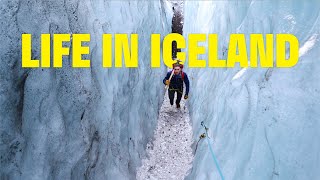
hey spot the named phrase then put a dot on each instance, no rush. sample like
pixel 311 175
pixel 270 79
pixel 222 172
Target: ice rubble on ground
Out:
pixel 169 155
pixel 264 122
pixel 77 123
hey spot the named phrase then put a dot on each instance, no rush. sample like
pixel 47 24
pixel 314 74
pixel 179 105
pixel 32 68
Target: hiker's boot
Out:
pixel 178 105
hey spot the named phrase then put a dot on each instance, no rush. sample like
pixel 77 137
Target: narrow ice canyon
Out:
pixel 97 123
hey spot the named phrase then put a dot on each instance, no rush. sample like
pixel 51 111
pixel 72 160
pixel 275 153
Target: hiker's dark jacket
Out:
pixel 177 82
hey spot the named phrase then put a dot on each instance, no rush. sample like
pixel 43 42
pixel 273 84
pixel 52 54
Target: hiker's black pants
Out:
pixel 171 95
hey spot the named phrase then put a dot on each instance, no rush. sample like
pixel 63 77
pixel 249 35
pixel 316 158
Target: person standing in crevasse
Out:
pixel 176 83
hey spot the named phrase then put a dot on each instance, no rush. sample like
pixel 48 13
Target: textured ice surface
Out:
pixel 169 154
pixel 264 122
pixel 77 123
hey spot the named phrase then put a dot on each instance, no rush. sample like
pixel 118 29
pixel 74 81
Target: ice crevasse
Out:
pixel 95 123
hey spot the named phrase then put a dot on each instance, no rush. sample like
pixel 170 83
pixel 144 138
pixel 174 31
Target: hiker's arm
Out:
pixel 166 78
pixel 186 81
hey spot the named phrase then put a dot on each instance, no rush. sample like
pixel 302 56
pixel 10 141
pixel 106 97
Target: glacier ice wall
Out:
pixel 77 123
pixel 264 122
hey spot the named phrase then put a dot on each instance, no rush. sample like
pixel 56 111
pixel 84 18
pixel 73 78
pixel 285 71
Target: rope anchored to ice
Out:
pixel 205 135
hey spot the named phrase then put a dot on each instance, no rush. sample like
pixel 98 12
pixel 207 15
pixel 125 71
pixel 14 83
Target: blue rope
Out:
pixel 213 156
pixel 215 159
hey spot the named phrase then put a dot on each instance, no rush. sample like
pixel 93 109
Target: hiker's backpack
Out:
pixel 182 75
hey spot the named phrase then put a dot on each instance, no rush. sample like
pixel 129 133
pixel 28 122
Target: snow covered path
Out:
pixel 170 154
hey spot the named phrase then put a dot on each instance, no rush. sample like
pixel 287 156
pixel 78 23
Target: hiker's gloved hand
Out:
pixel 186 96
pixel 167 82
